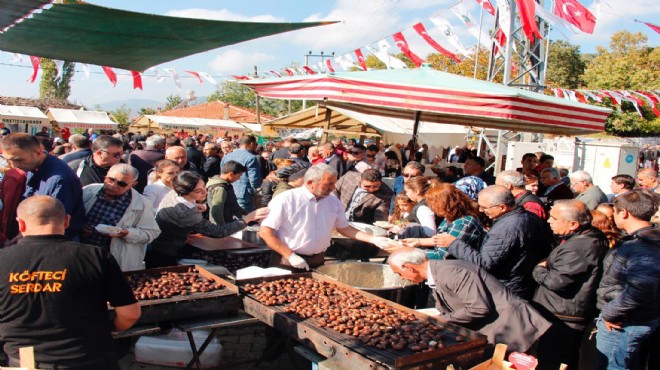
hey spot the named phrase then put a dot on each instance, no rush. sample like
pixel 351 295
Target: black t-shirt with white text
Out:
pixel 53 296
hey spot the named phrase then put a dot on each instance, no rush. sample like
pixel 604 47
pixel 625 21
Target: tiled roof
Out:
pixel 216 110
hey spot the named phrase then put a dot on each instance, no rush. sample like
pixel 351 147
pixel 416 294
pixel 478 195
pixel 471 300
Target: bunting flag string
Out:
pixel 309 70
pixel 137 80
pixel 616 96
pixel 196 75
pixel 360 58
pixel 402 44
pixel 651 25
pixel 111 75
pixel 469 22
pixel 175 76
pixel 85 68
pixel 487 6
pixel 59 67
pixel 419 28
pixel 445 27
pixel 328 63
pixel 35 67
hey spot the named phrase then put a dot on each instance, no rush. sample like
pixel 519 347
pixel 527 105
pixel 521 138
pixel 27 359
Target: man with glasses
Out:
pixel 364 197
pixel 106 152
pixel 516 242
pixel 115 203
pixel 46 175
pixel 357 161
pixel 586 191
pixel 412 169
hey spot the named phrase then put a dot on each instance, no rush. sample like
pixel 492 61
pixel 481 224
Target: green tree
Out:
pixel 629 64
pixel 51 88
pixel 172 101
pixel 122 116
pixel 146 111
pixel 565 66
pixel 240 95
pixel 374 63
pixel 465 68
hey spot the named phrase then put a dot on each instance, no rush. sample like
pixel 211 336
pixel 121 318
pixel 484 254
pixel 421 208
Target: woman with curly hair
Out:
pixel 461 219
pixel 603 223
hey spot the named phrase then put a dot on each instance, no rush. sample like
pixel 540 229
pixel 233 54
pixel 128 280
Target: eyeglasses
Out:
pixel 354 152
pixel 121 184
pixel 116 155
pixel 483 209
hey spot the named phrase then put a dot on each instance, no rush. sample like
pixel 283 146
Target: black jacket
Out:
pixel 195 156
pixel 88 171
pixel 567 287
pixel 517 241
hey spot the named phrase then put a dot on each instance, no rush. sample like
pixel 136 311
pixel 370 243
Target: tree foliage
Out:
pixel 565 66
pixel 52 88
pixel 240 95
pixel 144 111
pixel 172 101
pixel 465 67
pixel 122 116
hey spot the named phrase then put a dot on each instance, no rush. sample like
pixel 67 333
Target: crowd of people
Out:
pixel 535 258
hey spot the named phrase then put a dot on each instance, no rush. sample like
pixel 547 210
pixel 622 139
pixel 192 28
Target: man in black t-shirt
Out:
pixel 54 293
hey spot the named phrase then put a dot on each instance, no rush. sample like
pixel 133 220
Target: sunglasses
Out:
pixel 121 184
pixel 116 155
pixel 354 152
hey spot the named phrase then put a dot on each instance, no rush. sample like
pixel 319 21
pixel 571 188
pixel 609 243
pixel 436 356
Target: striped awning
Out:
pixel 440 98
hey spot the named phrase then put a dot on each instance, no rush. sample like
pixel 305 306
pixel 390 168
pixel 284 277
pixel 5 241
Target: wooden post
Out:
pixel 416 128
pixel 326 125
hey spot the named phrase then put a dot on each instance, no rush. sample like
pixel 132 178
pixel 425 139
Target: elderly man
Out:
pixel 115 203
pixel 81 148
pixel 568 279
pixel 145 159
pixel 227 147
pixel 300 223
pixel 179 155
pixel 516 242
pixel 412 169
pixel 60 309
pixel 476 166
pixel 314 155
pixel 247 185
pixel 586 191
pixel 647 178
pixel 364 197
pixel 220 195
pixel 555 189
pixel 629 292
pixel 515 182
pixel 467 295
pixel 46 175
pixel 106 152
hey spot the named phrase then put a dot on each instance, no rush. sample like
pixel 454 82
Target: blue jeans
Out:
pixel 619 349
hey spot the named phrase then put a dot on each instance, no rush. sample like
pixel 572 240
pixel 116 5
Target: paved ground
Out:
pixel 242 348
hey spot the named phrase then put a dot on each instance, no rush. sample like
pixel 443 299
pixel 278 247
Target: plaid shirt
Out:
pixel 107 212
pixel 466 228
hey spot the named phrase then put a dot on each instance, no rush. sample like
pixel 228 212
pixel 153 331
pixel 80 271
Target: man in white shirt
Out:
pixel 300 223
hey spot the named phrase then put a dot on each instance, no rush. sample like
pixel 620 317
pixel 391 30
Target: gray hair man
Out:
pixel 106 152
pixel 514 244
pixel 145 159
pixel 515 182
pixel 467 295
pixel 81 148
pixel 300 223
pixel 587 192
pixel 126 217
pixel 574 266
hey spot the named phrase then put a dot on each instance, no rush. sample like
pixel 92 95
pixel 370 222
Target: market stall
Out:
pixel 167 124
pixel 23 119
pixel 79 119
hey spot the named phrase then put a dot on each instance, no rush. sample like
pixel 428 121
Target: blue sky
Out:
pixel 363 22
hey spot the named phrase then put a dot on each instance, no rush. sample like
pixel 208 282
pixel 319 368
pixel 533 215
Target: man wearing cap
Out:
pixel 291 177
pixel 300 223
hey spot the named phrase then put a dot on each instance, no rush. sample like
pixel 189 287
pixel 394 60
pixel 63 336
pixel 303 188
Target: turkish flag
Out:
pixel 328 63
pixel 360 57
pixel 576 14
pixel 111 75
pixel 653 26
pixel 196 75
pixel 137 80
pixel 402 44
pixel 487 6
pixel 35 67
pixel 309 70
pixel 528 19
pixel 419 28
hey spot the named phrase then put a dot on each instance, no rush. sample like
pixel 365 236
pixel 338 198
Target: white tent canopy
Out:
pixel 254 127
pixel 72 118
pixel 398 130
pixel 21 119
pixel 192 124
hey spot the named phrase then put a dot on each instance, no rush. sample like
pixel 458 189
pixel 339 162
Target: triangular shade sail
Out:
pixel 440 97
pixel 117 38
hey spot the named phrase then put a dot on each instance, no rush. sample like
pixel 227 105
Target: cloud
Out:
pixel 222 14
pixel 235 61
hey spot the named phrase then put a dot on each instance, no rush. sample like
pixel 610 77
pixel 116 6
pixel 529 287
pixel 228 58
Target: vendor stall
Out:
pixel 23 119
pixel 79 119
pixel 167 124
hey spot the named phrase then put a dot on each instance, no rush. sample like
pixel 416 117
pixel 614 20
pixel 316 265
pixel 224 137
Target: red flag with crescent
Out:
pixel 402 44
pixel 111 75
pixel 419 28
pixel 309 70
pixel 487 6
pixel 576 14
pixel 137 80
pixel 328 63
pixel 35 67
pixel 528 19
pixel 360 58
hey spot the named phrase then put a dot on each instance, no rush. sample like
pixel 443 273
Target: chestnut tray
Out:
pixel 350 351
pixel 192 305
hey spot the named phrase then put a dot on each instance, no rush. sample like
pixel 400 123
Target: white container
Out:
pixel 173 349
pixel 603 160
pixel 515 151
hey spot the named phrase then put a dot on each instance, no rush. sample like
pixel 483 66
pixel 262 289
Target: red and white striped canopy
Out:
pixel 441 98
